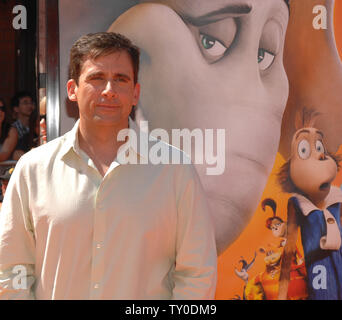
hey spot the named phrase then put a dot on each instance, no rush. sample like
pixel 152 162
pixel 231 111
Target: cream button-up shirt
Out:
pixel 140 232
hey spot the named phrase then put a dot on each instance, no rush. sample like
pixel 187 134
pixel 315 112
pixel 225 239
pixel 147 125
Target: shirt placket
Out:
pixel 97 268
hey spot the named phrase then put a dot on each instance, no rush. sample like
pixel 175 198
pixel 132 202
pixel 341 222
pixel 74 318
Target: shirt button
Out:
pixel 98 246
pixel 331 220
pixel 96 286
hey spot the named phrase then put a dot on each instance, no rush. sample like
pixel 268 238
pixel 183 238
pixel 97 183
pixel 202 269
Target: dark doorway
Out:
pixel 17 49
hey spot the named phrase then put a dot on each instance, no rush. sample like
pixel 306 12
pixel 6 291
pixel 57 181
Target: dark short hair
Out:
pixel 93 45
pixel 19 95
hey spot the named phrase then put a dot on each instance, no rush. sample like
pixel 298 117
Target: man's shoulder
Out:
pixel 44 152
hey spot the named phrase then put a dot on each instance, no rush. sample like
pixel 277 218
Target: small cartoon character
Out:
pixel 265 285
pixel 315 207
pixel 243 272
pixel 276 224
pixel 279 229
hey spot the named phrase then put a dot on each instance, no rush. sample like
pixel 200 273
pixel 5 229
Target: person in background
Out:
pixel 23 105
pixel 31 139
pixel 4 178
pixel 8 134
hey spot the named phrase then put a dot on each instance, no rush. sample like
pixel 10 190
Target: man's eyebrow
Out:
pixel 216 15
pixel 101 73
pixel 122 75
pixel 94 74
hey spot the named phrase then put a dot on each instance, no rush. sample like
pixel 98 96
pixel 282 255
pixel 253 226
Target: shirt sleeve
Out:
pixel 195 271
pixel 17 241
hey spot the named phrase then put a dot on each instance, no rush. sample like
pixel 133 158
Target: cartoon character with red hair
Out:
pixel 298 276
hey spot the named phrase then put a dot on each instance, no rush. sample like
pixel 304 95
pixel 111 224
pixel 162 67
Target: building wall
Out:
pixel 7 50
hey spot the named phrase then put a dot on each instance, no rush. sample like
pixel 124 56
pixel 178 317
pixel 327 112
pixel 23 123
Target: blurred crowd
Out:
pixel 22 127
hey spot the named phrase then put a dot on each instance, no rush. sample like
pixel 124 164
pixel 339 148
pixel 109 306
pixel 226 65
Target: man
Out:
pixel 85 226
pixel 22 105
pixel 217 64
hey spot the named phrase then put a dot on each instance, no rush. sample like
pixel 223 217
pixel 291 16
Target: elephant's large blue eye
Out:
pixel 213 47
pixel 214 36
pixel 265 58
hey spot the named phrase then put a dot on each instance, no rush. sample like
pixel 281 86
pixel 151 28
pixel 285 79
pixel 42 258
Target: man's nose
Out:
pixel 109 91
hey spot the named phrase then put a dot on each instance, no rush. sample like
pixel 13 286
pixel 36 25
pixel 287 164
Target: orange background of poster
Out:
pixel 256 234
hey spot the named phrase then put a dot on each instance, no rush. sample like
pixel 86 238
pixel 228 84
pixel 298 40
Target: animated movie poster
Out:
pixel 259 81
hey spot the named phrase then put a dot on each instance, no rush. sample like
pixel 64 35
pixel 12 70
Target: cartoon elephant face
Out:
pixel 216 64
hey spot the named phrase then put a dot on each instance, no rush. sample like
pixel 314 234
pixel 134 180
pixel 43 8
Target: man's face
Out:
pixel 105 92
pixel 25 107
pixel 216 64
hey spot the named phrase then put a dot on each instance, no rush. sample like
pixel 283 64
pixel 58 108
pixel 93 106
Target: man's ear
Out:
pixel 136 94
pixel 72 90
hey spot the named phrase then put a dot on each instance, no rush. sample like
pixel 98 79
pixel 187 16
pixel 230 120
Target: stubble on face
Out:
pixel 106 91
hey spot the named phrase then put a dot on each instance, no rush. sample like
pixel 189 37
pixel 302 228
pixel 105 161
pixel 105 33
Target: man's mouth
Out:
pixel 107 106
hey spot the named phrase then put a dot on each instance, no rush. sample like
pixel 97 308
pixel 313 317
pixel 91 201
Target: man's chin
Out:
pixel 109 119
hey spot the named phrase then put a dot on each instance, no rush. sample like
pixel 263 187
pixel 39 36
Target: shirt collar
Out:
pixel 334 196
pixel 71 141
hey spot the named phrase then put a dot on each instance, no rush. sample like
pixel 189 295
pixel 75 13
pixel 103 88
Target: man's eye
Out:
pixel 213 48
pixel 96 78
pixel 265 59
pixel 124 80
